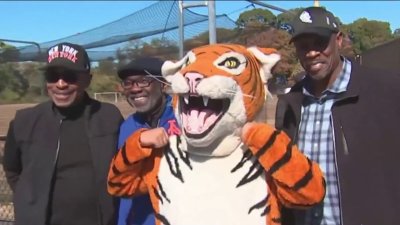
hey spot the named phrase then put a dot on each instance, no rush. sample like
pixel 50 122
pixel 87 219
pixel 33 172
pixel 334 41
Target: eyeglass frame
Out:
pixel 128 84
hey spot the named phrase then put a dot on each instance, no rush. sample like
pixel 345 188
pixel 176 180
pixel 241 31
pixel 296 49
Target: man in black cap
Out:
pixel 345 117
pixel 144 87
pixel 57 153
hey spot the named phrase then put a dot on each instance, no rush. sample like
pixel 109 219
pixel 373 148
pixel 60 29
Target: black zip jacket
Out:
pixel 31 150
pixel 366 132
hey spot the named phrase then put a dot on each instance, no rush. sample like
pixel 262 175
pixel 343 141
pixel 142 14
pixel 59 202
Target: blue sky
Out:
pixel 42 21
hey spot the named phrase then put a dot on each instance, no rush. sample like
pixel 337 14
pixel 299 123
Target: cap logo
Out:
pixel 305 17
pixel 66 52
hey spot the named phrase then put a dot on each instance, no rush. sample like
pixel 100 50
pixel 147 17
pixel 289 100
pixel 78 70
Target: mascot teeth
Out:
pixel 186 98
pixel 205 101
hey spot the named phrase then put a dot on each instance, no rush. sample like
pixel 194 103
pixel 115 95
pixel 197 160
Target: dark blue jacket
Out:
pixel 138 210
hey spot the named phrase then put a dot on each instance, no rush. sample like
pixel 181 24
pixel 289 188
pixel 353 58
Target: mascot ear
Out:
pixel 268 57
pixel 170 68
pixel 170 71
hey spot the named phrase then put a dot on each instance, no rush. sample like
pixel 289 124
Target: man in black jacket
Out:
pixel 346 117
pixel 57 153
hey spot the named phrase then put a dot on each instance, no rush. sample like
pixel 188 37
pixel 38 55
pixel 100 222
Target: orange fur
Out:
pixel 292 179
pixel 249 80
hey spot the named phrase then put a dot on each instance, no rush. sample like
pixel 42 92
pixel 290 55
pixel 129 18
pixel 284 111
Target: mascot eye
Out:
pixel 230 63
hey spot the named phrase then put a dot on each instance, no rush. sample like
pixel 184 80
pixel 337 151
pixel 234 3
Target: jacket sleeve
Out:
pixel 280 113
pixel 125 176
pixel 12 158
pixel 297 181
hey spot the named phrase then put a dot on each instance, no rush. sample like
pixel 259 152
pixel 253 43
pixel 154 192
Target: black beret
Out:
pixel 139 66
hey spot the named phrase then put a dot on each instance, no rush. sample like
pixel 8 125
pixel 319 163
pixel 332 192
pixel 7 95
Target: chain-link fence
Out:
pixel 6 206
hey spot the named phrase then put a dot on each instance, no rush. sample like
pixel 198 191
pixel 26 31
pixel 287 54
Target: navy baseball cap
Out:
pixel 314 20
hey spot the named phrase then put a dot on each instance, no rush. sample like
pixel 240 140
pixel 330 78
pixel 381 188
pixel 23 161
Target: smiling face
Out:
pixel 65 87
pixel 142 92
pixel 318 55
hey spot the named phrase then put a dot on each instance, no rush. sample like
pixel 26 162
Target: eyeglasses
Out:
pixel 69 77
pixel 141 83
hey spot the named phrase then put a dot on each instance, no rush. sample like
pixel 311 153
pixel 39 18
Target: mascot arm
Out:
pixel 297 181
pixel 125 177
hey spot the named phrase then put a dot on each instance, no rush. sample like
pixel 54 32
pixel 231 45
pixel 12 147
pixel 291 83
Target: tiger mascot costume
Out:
pixel 214 172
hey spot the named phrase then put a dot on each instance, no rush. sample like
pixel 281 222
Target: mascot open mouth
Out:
pixel 200 114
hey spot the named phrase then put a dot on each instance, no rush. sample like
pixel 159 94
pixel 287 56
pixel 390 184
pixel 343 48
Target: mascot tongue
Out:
pixel 197 121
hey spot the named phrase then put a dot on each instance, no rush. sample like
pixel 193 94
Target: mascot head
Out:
pixel 218 88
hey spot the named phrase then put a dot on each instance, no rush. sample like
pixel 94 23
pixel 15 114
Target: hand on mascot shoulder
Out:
pixel 245 130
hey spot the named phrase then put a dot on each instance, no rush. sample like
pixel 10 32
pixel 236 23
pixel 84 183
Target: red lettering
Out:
pixel 173 128
pixel 74 58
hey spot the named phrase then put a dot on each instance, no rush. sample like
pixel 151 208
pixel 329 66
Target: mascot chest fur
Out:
pixel 206 190
pixel 203 177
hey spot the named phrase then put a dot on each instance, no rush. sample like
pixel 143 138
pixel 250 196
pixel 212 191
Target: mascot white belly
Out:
pixel 202 190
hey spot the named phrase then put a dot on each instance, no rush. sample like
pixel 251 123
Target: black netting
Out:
pixel 156 22
pixel 6 207
pixel 159 20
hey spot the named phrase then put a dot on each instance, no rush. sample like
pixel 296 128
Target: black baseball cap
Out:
pixel 69 56
pixel 314 20
pixel 141 66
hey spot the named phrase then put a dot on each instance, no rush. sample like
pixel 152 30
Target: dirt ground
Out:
pixel 7 112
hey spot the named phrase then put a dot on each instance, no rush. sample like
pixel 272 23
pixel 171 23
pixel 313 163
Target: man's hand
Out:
pixel 154 138
pixel 245 129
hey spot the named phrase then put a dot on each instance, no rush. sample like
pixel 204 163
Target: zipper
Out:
pixel 53 178
pixel 158 124
pixel 98 204
pixel 336 167
pixel 58 148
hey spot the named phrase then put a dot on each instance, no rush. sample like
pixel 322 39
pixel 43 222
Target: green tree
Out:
pixel 13 85
pixel 366 34
pixel 8 53
pixel 396 33
pixel 288 16
pixel 158 47
pixel 34 74
pixel 256 17
pixel 223 35
pixel 107 67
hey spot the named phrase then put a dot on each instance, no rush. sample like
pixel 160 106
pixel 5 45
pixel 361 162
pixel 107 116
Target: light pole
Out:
pixel 211 21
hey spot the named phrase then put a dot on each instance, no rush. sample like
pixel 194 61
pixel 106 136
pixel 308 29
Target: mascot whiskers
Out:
pixel 226 166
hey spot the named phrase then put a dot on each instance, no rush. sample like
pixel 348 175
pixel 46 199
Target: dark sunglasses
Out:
pixel 69 77
pixel 142 83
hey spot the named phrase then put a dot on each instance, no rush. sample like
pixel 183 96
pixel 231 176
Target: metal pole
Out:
pixel 25 42
pixel 268 6
pixel 181 34
pixel 38 58
pixel 212 32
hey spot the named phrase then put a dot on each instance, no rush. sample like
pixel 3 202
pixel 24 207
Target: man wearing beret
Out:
pixel 143 87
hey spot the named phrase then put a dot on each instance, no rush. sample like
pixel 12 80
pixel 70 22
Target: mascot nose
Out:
pixel 193 79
